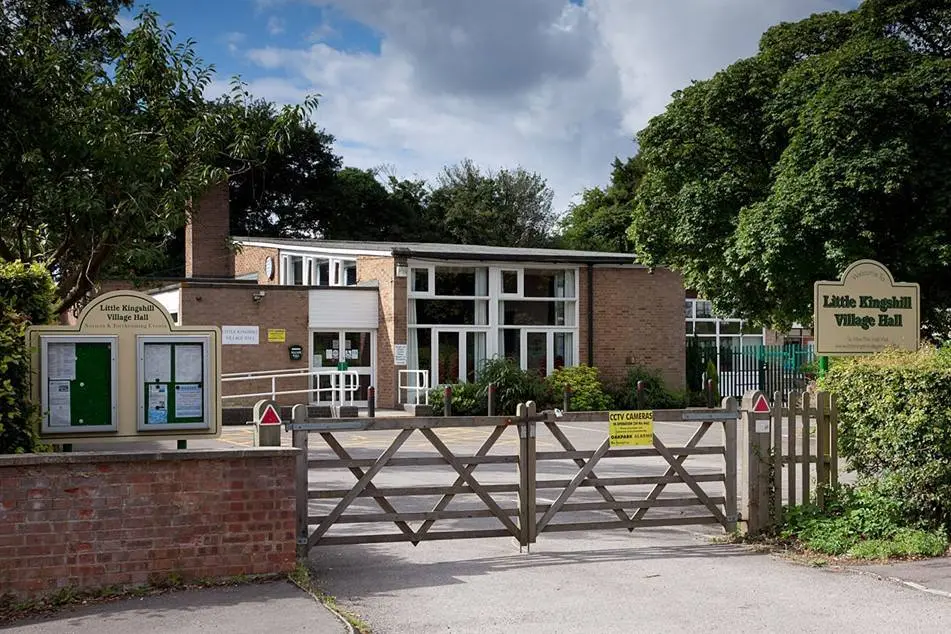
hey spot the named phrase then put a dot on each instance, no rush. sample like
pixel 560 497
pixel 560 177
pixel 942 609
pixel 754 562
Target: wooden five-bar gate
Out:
pixel 510 486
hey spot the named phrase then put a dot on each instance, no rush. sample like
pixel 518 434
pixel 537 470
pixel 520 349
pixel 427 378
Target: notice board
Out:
pixel 78 384
pixel 174 388
pixel 126 372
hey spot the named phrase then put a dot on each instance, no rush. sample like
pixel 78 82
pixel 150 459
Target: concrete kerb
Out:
pixel 897 580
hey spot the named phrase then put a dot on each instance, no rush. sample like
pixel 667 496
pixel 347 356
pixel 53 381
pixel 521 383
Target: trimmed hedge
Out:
pixel 587 393
pixel 26 297
pixel 895 427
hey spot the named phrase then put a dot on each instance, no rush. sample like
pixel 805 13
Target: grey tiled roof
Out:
pixel 453 251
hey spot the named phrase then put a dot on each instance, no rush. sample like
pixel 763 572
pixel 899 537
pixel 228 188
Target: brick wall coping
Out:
pixel 86 457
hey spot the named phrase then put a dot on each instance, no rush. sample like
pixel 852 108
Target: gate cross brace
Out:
pixel 472 482
pixel 689 481
pixel 600 488
pixel 444 501
pixel 660 486
pixel 579 477
pixel 359 486
pixel 380 499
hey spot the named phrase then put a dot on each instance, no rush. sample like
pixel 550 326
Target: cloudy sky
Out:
pixel 556 86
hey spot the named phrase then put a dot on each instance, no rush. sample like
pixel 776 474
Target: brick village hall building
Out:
pixel 389 309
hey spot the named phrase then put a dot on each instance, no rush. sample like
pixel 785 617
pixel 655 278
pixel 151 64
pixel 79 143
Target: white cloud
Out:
pixel 275 25
pixel 553 87
pixel 232 39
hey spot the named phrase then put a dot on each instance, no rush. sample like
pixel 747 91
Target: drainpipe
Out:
pixel 590 314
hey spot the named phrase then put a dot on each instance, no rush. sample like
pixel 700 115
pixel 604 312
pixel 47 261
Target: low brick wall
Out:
pixel 92 520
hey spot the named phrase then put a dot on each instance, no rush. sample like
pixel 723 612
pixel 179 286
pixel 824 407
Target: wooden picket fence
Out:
pixel 791 450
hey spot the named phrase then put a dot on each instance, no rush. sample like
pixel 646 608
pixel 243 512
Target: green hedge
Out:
pixel 895 427
pixel 26 297
pixel 587 392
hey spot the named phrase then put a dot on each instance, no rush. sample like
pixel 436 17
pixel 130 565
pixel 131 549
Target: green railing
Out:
pixel 759 367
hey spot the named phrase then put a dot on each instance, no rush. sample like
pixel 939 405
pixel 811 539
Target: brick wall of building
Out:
pixel 283 307
pixel 638 319
pixel 251 260
pixel 89 521
pixel 208 251
pixel 392 328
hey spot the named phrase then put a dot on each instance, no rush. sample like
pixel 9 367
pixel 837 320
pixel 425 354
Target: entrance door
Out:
pixel 457 355
pixel 353 347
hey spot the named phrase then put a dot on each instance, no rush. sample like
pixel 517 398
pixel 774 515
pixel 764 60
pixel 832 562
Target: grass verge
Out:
pixel 302 578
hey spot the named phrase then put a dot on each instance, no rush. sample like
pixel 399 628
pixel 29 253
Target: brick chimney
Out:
pixel 207 240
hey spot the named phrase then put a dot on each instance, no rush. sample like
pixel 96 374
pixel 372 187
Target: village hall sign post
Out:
pixel 865 311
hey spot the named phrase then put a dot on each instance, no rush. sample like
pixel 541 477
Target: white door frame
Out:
pixel 341 336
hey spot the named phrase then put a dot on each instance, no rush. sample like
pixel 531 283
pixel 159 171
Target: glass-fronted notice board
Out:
pixel 173 382
pixel 78 384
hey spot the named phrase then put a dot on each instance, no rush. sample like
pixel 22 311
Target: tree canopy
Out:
pixel 498 208
pixel 106 137
pixel 832 143
pixel 600 221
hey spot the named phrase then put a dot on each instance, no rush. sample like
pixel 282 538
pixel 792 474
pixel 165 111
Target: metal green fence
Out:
pixel 760 367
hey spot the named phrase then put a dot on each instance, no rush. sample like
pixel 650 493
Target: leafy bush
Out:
pixel 513 385
pixel 468 399
pixel 587 393
pixel 26 297
pixel 863 521
pixel 895 427
pixel 657 396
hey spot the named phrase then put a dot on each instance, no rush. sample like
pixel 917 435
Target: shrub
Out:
pixel 895 426
pixel 513 385
pixel 26 297
pixel 863 521
pixel 587 393
pixel 657 396
pixel 468 399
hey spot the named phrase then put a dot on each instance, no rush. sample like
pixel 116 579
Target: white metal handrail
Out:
pixel 344 384
pixel 417 381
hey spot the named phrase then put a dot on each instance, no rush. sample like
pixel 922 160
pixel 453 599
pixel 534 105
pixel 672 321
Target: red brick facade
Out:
pixel 638 319
pixel 392 330
pixel 251 260
pixel 282 307
pixel 89 521
pixel 208 251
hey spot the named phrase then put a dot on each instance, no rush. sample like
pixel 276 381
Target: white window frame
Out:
pixel 310 267
pixel 495 295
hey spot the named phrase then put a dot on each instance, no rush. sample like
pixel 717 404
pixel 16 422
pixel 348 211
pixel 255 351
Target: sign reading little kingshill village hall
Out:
pixel 865 311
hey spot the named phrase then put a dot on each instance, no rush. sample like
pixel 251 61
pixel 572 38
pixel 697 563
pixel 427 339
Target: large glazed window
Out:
pixel 460 315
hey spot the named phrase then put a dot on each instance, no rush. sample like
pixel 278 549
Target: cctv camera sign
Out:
pixel 865 311
pixel 240 335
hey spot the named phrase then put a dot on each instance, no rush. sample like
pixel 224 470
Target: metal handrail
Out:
pixel 421 385
pixel 343 383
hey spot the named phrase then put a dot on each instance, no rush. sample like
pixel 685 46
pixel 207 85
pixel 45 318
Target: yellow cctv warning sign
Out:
pixel 633 427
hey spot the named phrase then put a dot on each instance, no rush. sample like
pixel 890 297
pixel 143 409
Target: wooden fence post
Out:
pixel 300 442
pixel 776 457
pixel 730 458
pixel 527 516
pixel 756 481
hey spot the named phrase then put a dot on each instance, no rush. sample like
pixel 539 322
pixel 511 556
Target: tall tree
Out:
pixel 287 194
pixel 105 138
pixel 833 143
pixel 600 221
pixel 504 208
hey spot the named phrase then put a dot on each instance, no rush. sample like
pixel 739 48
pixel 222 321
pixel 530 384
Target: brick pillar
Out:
pixel 207 247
